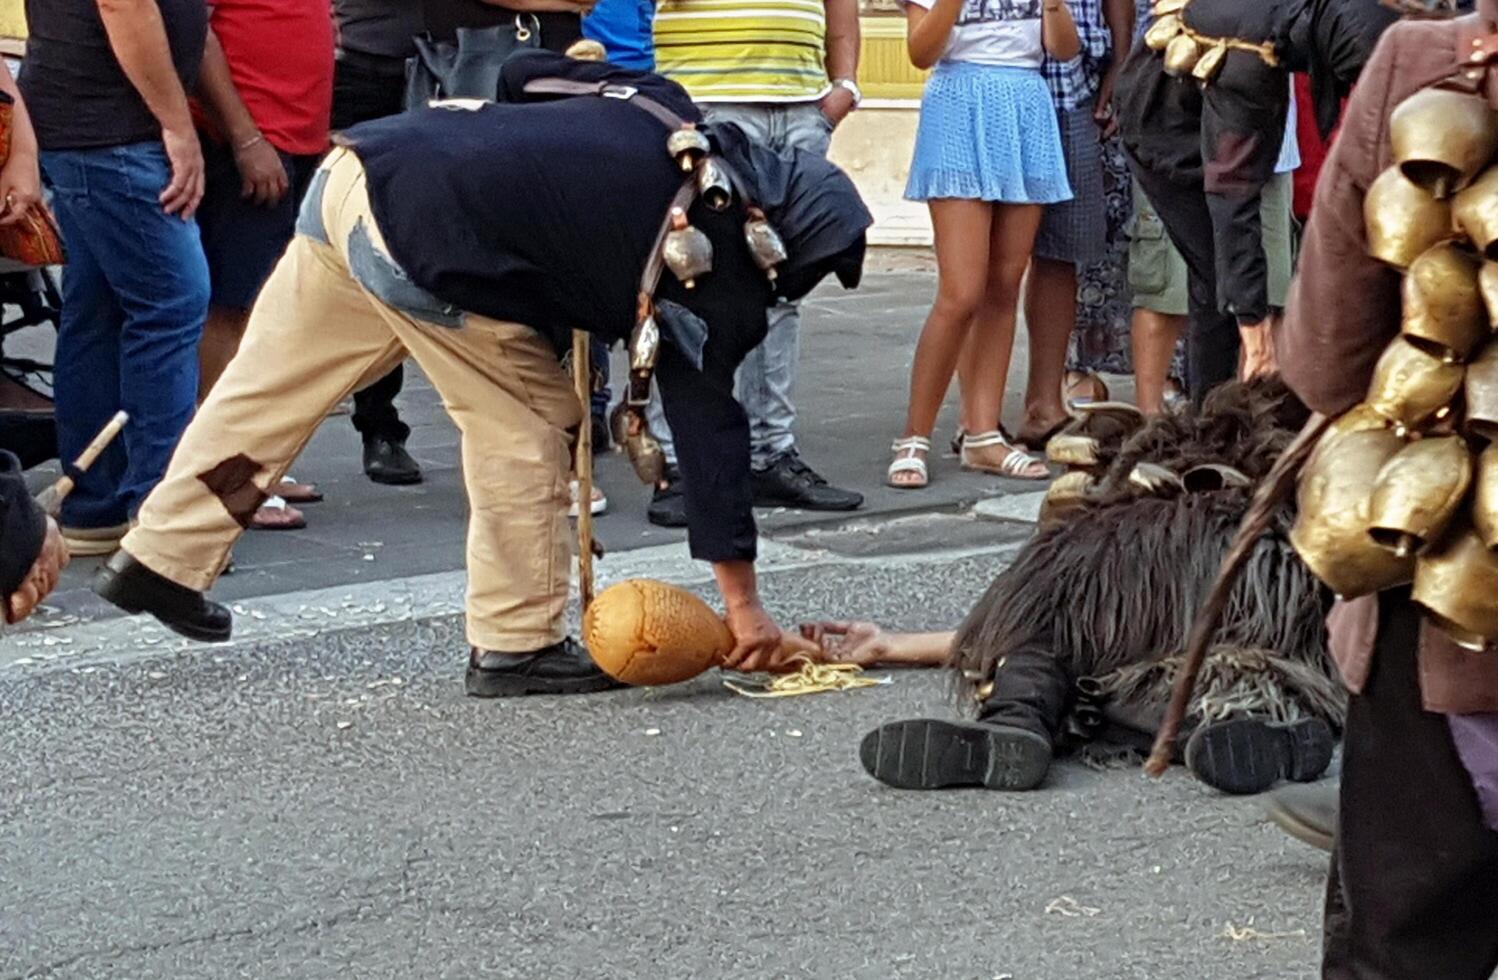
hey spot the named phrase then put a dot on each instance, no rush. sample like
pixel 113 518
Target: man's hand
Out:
pixel 1102 109
pixel 42 578
pixel 756 639
pixel 263 177
pixel 1258 350
pixel 837 105
pixel 864 644
pixel 185 192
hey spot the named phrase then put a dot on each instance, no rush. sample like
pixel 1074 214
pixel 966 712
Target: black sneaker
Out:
pixel 562 668
pixel 928 754
pixel 1248 755
pixel 386 461
pixel 668 506
pixel 136 589
pixel 789 482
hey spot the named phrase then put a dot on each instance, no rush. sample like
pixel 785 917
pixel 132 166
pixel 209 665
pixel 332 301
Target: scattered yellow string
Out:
pixel 812 678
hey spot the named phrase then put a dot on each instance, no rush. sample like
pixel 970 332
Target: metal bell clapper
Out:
pixel 1457 587
pixel 1417 494
pixel 765 243
pixel 1443 138
pixel 687 146
pixel 713 185
pixel 1403 219
pixel 687 251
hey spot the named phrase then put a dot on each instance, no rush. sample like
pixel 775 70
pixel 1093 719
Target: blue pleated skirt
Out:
pixel 988 133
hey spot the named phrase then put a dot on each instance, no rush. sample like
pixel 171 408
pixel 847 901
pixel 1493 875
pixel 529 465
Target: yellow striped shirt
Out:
pixel 743 50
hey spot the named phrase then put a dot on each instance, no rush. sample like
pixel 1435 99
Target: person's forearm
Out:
pixel 137 36
pixel 924 649
pixel 221 98
pixel 927 32
pixel 1119 16
pixel 1059 31
pixel 843 39
pixel 22 136
pixel 737 582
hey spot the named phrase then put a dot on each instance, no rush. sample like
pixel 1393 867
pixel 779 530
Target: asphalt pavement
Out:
pixel 318 799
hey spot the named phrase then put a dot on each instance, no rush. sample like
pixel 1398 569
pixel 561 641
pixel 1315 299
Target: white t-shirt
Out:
pixel 995 32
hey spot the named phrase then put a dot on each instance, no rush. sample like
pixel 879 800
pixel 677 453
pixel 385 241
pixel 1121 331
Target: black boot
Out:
pixel 1249 755
pixel 925 753
pixel 386 461
pixel 668 505
pixel 562 668
pixel 1307 813
pixel 136 589
pixel 789 482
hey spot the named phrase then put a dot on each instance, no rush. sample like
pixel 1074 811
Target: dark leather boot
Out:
pixel 136 589
pixel 1249 755
pixel 562 668
pixel 386 461
pixel 926 753
pixel 1307 813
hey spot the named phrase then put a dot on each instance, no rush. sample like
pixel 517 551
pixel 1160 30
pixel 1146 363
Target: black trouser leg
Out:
pixel 1418 869
pixel 375 414
pixel 1031 690
pixel 1212 336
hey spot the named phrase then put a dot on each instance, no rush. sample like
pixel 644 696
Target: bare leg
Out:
pixel 962 230
pixel 1153 338
pixel 221 336
pixel 984 366
pixel 1050 317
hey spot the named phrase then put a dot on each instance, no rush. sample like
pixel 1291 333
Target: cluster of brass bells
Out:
pixel 1187 52
pixel 1404 487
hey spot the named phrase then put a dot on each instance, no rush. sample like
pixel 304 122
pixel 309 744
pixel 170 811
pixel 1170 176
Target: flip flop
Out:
pixel 276 515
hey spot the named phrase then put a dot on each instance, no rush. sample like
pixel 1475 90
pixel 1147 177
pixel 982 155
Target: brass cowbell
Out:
pixel 1481 388
pixel 1475 211
pixel 1444 312
pixel 1412 387
pixel 765 243
pixel 687 251
pixel 1418 492
pixel 1457 587
pixel 1181 55
pixel 687 146
pixel 1485 497
pixel 1403 219
pixel 1443 138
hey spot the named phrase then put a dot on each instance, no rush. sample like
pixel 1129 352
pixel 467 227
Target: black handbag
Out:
pixel 469 68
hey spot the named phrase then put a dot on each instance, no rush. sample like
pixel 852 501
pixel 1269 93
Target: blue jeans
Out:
pixel 768 375
pixel 134 297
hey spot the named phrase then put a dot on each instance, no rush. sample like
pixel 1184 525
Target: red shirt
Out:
pixel 280 53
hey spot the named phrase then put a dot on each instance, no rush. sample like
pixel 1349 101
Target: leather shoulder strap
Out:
pixel 606 90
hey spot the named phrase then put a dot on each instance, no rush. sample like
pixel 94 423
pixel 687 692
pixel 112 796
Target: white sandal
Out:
pixel 909 463
pixel 1014 464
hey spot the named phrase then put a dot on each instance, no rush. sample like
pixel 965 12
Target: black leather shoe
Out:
pixel 668 506
pixel 926 753
pixel 136 589
pixel 789 482
pixel 601 438
pixel 386 461
pixel 562 668
pixel 1249 755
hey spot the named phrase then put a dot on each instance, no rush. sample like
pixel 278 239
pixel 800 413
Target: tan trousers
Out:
pixel 314 336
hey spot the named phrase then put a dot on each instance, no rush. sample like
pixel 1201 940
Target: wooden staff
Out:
pixel 1277 486
pixel 50 499
pixel 582 380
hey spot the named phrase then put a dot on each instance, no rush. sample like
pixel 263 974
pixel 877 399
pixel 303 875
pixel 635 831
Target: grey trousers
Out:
pixel 766 378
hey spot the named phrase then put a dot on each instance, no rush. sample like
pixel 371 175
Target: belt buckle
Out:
pixel 624 92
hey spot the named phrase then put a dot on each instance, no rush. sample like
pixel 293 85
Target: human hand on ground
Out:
pixel 756 638
pixel 20 188
pixel 42 578
pixel 263 177
pixel 185 191
pixel 864 644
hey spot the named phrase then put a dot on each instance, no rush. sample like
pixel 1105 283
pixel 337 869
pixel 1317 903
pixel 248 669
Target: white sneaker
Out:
pixel 599 505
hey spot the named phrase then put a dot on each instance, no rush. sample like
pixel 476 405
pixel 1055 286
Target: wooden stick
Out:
pixel 50 499
pixel 1277 485
pixel 582 379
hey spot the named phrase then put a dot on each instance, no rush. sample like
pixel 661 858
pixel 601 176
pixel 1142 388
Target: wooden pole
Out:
pixel 50 499
pixel 582 379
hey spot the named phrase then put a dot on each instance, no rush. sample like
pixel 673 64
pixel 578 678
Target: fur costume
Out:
pixel 1110 589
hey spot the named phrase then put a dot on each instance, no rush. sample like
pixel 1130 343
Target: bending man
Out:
pixel 475 236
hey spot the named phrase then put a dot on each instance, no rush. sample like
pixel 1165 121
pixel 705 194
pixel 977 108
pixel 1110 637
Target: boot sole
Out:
pixel 105 588
pixel 400 480
pixel 494 684
pixel 1301 830
pixel 931 754
pixel 1248 756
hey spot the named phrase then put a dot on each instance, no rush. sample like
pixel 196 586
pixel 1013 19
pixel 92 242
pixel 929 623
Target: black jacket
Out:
pixel 543 211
